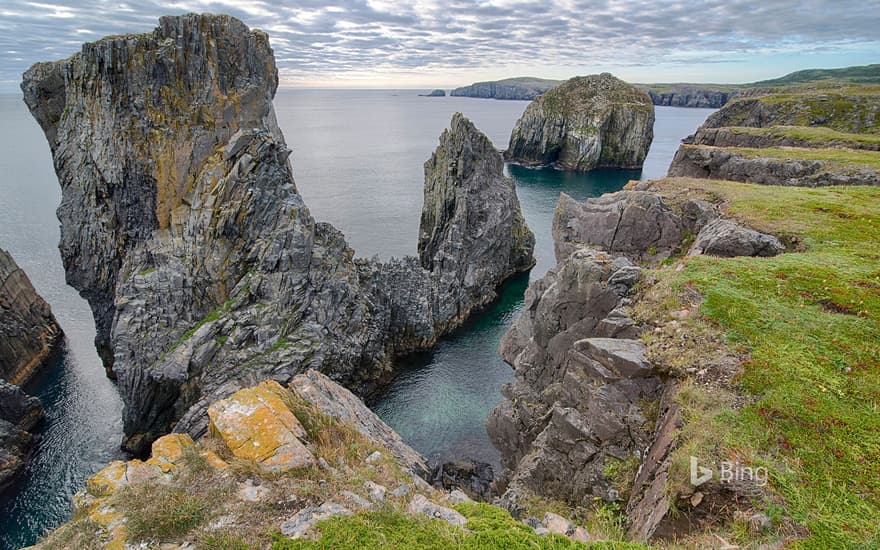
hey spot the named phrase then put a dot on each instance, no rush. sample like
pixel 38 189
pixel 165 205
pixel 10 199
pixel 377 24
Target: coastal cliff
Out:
pixel 183 228
pixel 28 330
pixel 596 121
pixel 19 415
pixel 520 88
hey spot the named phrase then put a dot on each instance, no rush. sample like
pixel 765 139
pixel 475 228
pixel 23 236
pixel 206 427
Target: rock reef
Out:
pixel 205 271
pixel 596 121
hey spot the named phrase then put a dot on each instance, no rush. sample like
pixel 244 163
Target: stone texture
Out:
pixel 738 137
pixel 729 239
pixel 301 522
pixel 729 164
pixel 335 401
pixel 522 88
pixel 205 271
pixel 19 415
pixel 256 425
pixel 634 222
pixel 28 330
pixel 585 123
pixel 576 401
pixel 473 477
pixel 421 505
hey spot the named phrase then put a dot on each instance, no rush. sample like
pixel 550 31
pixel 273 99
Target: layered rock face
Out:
pixel 731 164
pixel 182 226
pixel 779 137
pixel 521 88
pixel 584 123
pixel 19 415
pixel 28 330
pixel 687 96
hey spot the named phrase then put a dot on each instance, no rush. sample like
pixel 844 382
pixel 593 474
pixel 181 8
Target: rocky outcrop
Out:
pixel 28 330
pixel 435 93
pixel 522 88
pixel 636 221
pixel 839 110
pixel 183 228
pixel 728 239
pixel 584 123
pixel 688 96
pixel 730 164
pixel 19 415
pixel 470 213
pixel 575 406
pixel 775 137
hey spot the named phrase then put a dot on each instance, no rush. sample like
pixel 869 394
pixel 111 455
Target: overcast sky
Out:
pixel 445 43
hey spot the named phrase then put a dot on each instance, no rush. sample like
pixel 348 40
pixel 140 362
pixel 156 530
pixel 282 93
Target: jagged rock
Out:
pixel 471 476
pixel 182 226
pixel 28 330
pixel 521 88
pixel 585 123
pixel 299 524
pixel 729 164
pixel 337 402
pixel 728 239
pixel 470 213
pixel 421 505
pixel 19 415
pixel 256 425
pixel 576 401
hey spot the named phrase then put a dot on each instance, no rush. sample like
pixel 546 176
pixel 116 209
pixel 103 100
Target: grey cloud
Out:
pixel 324 38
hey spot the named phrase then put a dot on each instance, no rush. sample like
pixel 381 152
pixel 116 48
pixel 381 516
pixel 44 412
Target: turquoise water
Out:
pixel 357 158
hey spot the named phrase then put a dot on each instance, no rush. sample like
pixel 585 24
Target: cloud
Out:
pixel 349 40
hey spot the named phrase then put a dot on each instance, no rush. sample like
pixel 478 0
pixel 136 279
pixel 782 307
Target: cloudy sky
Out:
pixel 445 43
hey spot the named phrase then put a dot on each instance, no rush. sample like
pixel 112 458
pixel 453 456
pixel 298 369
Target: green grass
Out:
pixel 161 512
pixel 490 528
pixel 811 323
pixel 818 135
pixel 840 157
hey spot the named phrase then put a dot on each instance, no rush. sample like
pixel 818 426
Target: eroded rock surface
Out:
pixel 19 415
pixel 28 330
pixel 204 269
pixel 585 123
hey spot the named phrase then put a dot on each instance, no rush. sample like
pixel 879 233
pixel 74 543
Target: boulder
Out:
pixel 728 239
pixel 256 425
pixel 299 524
pixel 421 505
pixel 584 123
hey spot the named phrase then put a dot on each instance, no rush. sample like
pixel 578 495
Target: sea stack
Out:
pixel 183 227
pixel 596 121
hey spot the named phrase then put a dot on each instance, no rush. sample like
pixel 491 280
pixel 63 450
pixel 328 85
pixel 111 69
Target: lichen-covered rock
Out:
pixel 584 123
pixel 727 238
pixel 183 228
pixel 575 406
pixel 19 415
pixel 28 330
pixel 256 425
pixel 337 402
pixel 470 213
pixel 730 164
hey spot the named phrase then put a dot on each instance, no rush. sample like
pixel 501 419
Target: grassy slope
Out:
pixel 841 157
pixel 811 322
pixel 818 135
pixel 863 73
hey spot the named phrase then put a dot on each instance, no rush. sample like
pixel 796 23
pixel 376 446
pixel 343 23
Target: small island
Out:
pixel 435 93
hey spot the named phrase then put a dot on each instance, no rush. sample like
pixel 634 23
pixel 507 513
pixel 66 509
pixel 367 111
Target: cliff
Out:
pixel 689 95
pixel 288 467
pixel 28 330
pixel 435 93
pixel 19 415
pixel 520 88
pixel 586 122
pixel 183 228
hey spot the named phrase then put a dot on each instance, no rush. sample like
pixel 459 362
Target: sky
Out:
pixel 449 43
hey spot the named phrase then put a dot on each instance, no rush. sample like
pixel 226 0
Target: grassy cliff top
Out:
pixel 807 324
pixel 817 135
pixel 585 93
